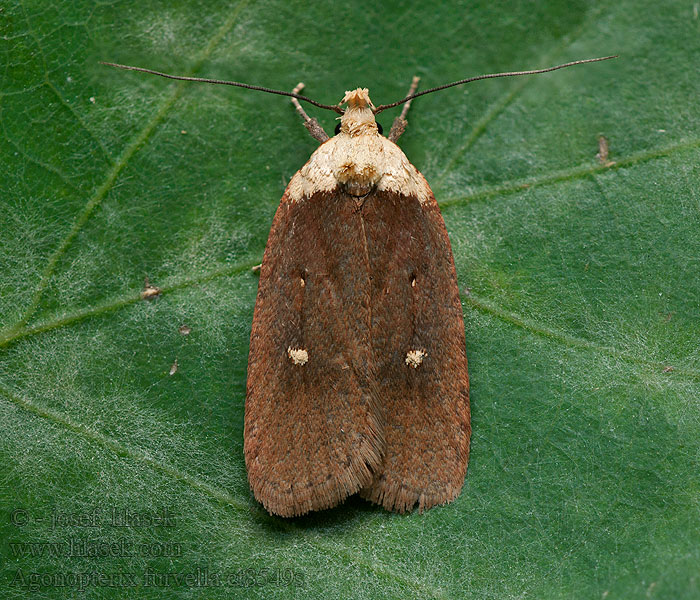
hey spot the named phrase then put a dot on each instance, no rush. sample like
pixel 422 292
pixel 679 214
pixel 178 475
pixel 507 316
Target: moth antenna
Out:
pixel 247 86
pixel 490 76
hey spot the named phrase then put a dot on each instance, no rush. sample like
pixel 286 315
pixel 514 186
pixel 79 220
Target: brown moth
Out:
pixel 357 373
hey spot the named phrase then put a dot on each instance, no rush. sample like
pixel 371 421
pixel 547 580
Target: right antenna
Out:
pixel 490 76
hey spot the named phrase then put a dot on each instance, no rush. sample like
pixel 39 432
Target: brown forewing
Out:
pixel 416 307
pixel 313 434
pixel 357 284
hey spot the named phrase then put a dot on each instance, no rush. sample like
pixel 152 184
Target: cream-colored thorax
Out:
pixel 358 160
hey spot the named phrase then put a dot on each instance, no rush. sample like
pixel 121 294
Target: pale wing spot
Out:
pixel 299 356
pixel 414 358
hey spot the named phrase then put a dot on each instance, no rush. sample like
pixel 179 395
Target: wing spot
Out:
pixel 302 279
pixel 413 280
pixel 414 358
pixel 299 356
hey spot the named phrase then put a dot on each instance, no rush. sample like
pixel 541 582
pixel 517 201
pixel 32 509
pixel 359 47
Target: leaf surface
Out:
pixel 579 284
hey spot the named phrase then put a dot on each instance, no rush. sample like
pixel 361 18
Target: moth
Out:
pixel 357 373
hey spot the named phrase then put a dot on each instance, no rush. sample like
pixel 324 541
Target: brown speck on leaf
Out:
pixel 183 132
pixel 173 368
pixel 184 329
pixel 149 291
pixel 586 267
pixel 669 316
pixel 467 291
pixel 668 369
pixel 603 152
pixel 256 268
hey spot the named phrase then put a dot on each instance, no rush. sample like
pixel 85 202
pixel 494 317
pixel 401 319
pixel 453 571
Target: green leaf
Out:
pixel 580 288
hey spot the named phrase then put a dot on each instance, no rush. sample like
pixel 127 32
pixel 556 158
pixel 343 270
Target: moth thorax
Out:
pixel 358 172
pixel 358 178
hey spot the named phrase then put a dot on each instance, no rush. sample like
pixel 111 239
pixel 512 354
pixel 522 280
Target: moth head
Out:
pixel 358 117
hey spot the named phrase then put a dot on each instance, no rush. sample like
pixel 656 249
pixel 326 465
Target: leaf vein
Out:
pixel 521 322
pixel 570 174
pixel 15 334
pixel 132 147
pixel 212 491
pixel 50 168
pixel 496 108
pixel 78 117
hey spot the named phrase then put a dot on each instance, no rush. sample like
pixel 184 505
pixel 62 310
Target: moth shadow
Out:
pixel 354 511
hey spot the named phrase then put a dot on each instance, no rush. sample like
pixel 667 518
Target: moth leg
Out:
pixel 400 122
pixel 312 125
